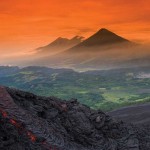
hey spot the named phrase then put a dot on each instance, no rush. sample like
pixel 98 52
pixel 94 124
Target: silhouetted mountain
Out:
pixel 31 122
pixel 59 45
pixel 103 38
pixel 103 50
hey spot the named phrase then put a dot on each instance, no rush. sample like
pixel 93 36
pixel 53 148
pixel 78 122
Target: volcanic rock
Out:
pixel 30 122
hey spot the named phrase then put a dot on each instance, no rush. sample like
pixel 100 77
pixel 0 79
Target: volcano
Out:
pixel 103 50
pixel 32 122
pixel 101 39
pixel 59 45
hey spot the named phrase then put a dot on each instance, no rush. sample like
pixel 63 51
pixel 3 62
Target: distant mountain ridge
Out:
pixel 102 38
pixel 59 45
pixel 102 50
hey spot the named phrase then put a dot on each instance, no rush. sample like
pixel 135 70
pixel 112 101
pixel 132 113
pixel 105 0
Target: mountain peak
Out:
pixel 102 38
pixel 59 44
pixel 61 38
pixel 103 32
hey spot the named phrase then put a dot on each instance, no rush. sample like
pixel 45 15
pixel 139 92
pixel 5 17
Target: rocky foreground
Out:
pixel 30 122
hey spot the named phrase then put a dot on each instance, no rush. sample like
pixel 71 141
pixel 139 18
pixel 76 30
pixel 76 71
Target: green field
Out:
pixel 104 90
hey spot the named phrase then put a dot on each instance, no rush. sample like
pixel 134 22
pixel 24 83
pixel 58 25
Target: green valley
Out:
pixel 106 89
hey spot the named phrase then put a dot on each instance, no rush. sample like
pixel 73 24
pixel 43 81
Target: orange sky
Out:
pixel 27 24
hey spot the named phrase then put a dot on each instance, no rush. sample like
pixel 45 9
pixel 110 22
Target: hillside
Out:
pixel 7 70
pixel 136 114
pixel 32 122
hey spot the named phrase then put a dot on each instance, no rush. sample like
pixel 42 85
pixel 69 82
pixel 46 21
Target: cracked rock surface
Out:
pixel 30 122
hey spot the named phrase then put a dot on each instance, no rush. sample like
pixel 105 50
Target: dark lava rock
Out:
pixel 30 122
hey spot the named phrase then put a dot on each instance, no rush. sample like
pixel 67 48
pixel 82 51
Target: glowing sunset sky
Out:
pixel 27 24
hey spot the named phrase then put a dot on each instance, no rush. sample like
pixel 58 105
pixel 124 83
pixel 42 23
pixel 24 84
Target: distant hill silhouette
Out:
pixel 59 45
pixel 102 50
pixel 102 38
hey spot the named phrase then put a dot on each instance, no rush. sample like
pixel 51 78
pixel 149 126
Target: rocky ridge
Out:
pixel 30 122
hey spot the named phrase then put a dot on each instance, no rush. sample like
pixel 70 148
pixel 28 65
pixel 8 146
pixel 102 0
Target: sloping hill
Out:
pixel 136 114
pixel 8 70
